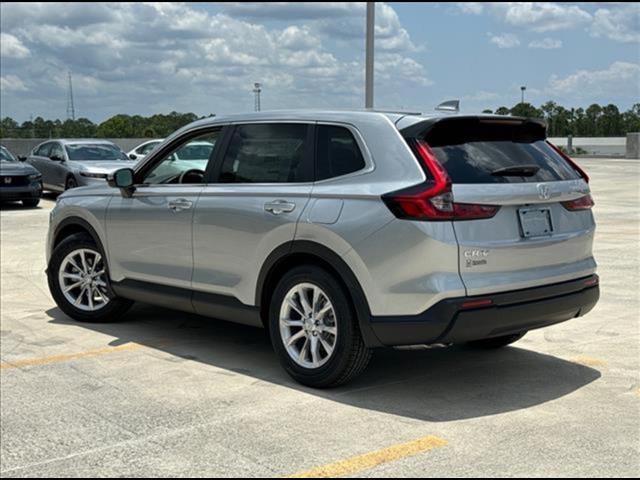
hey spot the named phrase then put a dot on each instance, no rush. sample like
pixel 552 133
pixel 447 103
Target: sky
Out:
pixel 204 57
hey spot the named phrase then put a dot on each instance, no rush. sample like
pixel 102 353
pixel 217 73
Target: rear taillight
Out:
pixel 433 200
pixel 582 203
pixel 568 159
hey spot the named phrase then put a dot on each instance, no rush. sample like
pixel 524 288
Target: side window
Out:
pixel 337 152
pixel 43 150
pixel 267 153
pixel 143 150
pixel 187 163
pixel 56 149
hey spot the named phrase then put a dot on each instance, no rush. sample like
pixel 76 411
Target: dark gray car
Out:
pixel 66 164
pixel 18 181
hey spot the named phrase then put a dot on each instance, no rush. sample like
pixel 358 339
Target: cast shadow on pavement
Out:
pixel 434 385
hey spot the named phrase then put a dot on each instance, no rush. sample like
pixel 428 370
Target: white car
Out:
pixel 143 149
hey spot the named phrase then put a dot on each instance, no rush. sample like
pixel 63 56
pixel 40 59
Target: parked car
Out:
pixel 339 232
pixel 18 181
pixel 66 164
pixel 142 150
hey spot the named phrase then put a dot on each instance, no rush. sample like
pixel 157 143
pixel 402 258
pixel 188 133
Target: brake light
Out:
pixel 433 199
pixel 582 203
pixel 570 161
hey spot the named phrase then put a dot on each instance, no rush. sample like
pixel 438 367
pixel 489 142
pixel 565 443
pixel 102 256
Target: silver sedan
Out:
pixel 66 164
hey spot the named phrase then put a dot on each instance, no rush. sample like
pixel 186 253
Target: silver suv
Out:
pixel 338 232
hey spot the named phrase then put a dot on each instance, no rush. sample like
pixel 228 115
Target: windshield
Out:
pixel 6 156
pixel 95 152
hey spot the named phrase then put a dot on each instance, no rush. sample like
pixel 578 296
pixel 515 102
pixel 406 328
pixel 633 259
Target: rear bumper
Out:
pixel 458 320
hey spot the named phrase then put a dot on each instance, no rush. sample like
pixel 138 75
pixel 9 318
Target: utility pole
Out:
pixel 522 89
pixel 368 70
pixel 71 111
pixel 257 88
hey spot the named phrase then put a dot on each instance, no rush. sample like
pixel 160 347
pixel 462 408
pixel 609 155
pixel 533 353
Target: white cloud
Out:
pixel 12 47
pixel 535 16
pixel 505 40
pixel 546 43
pixel 11 83
pixel 620 78
pixel 148 58
pixel 473 8
pixel 621 24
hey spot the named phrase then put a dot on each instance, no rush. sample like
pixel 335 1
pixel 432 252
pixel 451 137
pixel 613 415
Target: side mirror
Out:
pixel 133 156
pixel 22 158
pixel 56 158
pixel 121 178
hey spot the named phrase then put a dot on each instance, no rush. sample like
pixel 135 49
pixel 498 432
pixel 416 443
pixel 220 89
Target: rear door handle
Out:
pixel 279 206
pixel 180 204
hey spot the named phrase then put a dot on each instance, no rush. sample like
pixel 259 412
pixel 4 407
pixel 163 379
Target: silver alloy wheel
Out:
pixel 81 277
pixel 308 325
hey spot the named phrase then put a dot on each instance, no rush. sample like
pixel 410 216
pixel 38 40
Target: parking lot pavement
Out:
pixel 170 394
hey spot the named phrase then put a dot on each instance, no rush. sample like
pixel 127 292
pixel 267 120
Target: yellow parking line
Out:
pixel 373 459
pixel 589 361
pixel 32 362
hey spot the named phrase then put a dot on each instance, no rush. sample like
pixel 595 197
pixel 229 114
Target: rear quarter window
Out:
pixel 337 152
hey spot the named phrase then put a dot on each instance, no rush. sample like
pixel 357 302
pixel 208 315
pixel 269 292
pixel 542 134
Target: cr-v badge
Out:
pixel 475 257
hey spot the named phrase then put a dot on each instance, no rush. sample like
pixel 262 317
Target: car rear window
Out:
pixel 492 151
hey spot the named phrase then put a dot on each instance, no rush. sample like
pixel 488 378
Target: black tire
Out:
pixel 496 342
pixel 111 312
pixel 70 183
pixel 350 356
pixel 31 202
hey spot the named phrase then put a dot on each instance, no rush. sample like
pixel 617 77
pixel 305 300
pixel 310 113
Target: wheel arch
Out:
pixel 299 252
pixel 73 225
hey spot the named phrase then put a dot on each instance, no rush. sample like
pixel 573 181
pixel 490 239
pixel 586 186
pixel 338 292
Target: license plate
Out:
pixel 535 222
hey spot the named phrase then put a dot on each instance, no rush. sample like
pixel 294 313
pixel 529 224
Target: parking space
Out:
pixel 165 393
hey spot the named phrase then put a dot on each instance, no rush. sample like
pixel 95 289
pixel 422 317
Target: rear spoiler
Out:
pixel 534 127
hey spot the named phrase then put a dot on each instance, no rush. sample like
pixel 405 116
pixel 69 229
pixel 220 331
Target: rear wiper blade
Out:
pixel 517 171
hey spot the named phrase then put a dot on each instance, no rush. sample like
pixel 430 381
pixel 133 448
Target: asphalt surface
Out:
pixel 169 394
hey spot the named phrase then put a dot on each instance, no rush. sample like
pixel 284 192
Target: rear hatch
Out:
pixel 520 209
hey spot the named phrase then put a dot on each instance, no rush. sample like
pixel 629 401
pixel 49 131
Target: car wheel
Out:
pixel 79 281
pixel 70 183
pixel 31 202
pixel 314 329
pixel 496 342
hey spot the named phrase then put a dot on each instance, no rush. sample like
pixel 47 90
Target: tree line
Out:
pixel 594 121
pixel 118 126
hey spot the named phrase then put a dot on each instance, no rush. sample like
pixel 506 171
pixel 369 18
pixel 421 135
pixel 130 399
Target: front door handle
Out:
pixel 279 206
pixel 180 204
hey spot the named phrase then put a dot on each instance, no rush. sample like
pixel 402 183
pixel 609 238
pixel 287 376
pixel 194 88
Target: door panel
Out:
pixel 234 231
pixel 264 184
pixel 149 235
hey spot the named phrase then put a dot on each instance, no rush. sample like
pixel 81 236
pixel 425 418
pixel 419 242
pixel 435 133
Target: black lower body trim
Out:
pixel 449 321
pixel 222 307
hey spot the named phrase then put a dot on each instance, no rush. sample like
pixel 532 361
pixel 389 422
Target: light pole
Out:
pixel 368 69
pixel 257 88
pixel 522 89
